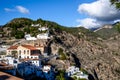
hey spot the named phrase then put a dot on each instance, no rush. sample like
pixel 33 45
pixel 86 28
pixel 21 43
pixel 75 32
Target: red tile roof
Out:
pixel 13 47
pixel 26 46
pixel 29 47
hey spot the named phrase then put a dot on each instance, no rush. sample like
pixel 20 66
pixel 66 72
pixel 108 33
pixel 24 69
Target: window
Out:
pixel 28 52
pixel 19 52
pixel 24 51
pixel 14 61
pixel 35 57
pixel 19 56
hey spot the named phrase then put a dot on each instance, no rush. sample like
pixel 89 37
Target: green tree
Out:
pixel 19 34
pixel 116 3
pixel 61 75
pixel 2 53
pixel 62 55
pixel 118 27
pixel 27 29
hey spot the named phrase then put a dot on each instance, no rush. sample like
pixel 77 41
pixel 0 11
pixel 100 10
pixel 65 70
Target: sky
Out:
pixel 71 13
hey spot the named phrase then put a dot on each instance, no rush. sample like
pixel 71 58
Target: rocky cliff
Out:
pixel 101 58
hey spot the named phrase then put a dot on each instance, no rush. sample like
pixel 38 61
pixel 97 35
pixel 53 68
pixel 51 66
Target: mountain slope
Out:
pixel 98 57
pixel 107 31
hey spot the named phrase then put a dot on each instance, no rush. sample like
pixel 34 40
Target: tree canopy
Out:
pixel 116 3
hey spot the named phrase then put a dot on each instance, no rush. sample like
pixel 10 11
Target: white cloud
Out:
pixel 22 9
pixel 101 12
pixel 8 10
pixel 118 20
pixel 88 23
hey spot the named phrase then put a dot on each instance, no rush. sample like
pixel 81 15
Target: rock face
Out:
pixel 99 58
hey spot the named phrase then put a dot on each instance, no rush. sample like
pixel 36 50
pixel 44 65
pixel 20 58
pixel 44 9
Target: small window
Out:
pixel 15 61
pixel 19 52
pixel 19 56
pixel 24 51
pixel 27 51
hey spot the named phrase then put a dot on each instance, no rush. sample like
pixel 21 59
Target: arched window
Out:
pixel 27 51
pixel 19 52
pixel 24 51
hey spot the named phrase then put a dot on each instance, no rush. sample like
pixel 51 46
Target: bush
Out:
pixel 61 75
pixel 19 35
pixel 62 55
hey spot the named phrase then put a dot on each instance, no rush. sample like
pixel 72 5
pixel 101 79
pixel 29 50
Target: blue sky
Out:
pixel 71 13
pixel 63 12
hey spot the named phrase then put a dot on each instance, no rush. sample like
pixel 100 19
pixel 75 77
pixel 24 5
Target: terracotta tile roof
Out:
pixel 5 76
pixel 26 46
pixel 29 47
pixel 13 47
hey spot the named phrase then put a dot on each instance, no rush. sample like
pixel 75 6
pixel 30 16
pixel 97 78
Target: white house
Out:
pixel 74 71
pixel 81 75
pixel 43 36
pixel 11 61
pixel 35 25
pixel 46 68
pixel 26 53
pixel 48 72
pixel 42 29
pixel 28 37
pixel 36 62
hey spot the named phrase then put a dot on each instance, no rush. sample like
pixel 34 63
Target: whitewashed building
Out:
pixel 43 29
pixel 28 37
pixel 43 36
pixel 26 53
pixel 81 75
pixel 46 68
pixel 11 61
pixel 74 71
pixel 35 25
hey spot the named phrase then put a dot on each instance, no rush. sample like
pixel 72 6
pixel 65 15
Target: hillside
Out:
pixel 108 31
pixel 97 54
pixel 97 57
pixel 18 27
